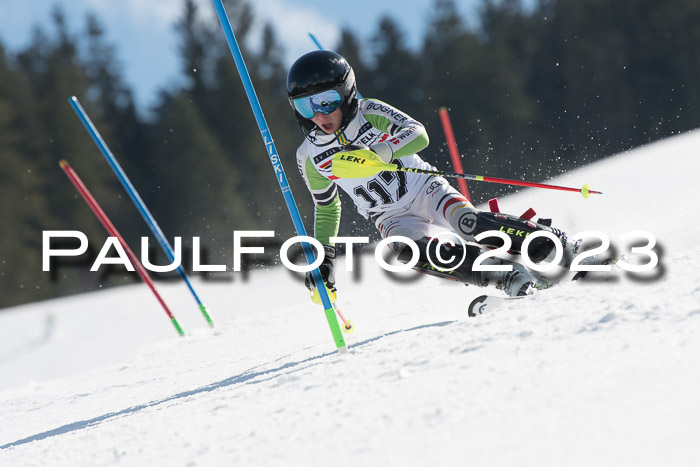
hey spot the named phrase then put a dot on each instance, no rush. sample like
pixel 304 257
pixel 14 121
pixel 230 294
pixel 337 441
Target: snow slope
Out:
pixel 588 373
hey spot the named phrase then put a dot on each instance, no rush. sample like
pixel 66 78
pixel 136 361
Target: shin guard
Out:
pixel 472 224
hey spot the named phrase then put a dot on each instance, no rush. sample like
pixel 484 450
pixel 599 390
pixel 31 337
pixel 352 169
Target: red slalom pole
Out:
pixel 454 153
pixel 104 220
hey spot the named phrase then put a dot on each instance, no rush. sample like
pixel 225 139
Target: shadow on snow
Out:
pixel 242 378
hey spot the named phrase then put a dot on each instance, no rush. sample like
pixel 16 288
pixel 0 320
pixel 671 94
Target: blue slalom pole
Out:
pixel 313 38
pixel 279 171
pixel 112 161
pixel 320 47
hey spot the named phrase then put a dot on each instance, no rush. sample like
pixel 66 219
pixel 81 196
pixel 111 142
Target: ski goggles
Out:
pixel 324 102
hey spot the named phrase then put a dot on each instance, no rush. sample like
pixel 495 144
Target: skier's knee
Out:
pixel 443 260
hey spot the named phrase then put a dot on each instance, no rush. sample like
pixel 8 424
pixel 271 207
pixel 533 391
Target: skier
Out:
pixel 322 91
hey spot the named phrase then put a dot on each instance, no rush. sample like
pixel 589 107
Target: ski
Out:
pixel 484 303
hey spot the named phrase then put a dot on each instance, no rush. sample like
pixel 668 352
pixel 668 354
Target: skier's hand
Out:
pixel 354 147
pixel 383 150
pixel 326 270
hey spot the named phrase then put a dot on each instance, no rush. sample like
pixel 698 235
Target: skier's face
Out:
pixel 329 123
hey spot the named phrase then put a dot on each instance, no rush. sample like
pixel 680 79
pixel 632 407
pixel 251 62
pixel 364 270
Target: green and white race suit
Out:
pixel 374 123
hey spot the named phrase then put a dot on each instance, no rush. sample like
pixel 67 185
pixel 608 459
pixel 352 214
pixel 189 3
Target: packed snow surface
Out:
pixel 604 371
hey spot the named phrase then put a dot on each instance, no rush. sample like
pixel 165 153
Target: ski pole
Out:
pixel 279 171
pixel 104 220
pixel 332 295
pixel 347 325
pixel 454 153
pixel 361 163
pixel 145 213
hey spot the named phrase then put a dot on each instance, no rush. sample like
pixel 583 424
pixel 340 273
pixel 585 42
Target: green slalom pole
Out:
pixel 280 174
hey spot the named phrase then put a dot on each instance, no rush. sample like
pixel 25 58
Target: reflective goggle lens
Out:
pixel 324 102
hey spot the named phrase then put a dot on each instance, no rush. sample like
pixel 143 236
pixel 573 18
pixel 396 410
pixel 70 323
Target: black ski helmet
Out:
pixel 322 70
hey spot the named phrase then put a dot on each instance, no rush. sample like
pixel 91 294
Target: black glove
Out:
pixel 354 147
pixel 326 270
